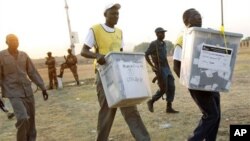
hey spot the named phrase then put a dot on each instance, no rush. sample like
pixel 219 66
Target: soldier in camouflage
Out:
pixel 51 62
pixel 70 63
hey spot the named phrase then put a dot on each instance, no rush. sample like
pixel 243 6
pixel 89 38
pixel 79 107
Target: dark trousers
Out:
pixel 106 117
pixel 209 104
pixel 24 109
pixel 167 87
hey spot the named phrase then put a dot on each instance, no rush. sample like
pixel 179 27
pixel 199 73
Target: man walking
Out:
pixel 16 72
pixel 158 52
pixel 207 101
pixel 105 38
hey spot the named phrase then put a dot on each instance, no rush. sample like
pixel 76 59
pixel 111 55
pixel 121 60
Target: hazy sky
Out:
pixel 42 24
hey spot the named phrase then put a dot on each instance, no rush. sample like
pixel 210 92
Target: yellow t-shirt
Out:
pixel 106 41
pixel 179 41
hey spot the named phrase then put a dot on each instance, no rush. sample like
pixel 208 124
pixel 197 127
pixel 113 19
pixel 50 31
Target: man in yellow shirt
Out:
pixel 105 38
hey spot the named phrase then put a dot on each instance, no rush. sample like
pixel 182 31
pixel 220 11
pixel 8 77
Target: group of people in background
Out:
pixel 16 66
pixel 70 62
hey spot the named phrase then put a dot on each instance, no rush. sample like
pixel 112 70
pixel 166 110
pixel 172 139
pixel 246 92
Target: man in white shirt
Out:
pixel 105 38
pixel 207 101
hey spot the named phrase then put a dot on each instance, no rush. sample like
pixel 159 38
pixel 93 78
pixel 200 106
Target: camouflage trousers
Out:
pixel 73 69
pixel 52 78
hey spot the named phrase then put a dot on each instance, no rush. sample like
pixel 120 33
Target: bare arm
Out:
pixel 89 54
pixel 148 60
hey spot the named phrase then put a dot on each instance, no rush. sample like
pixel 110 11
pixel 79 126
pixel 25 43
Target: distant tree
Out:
pixel 170 47
pixel 142 47
pixel 247 38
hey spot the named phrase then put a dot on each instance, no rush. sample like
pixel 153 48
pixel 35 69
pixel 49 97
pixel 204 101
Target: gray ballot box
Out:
pixel 208 59
pixel 125 79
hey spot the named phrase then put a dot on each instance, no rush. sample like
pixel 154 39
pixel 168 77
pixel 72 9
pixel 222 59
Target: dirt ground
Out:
pixel 70 114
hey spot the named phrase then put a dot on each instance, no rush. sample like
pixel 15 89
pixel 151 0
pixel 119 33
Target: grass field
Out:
pixel 70 114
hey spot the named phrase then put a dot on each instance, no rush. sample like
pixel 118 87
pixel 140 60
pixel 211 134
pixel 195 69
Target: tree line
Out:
pixel 142 47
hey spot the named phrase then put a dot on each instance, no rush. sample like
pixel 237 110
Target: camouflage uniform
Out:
pixel 51 62
pixel 70 63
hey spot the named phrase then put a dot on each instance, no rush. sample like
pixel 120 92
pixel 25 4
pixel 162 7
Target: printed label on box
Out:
pixel 133 78
pixel 215 58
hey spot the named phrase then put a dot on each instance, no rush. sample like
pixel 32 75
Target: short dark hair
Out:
pixel 188 17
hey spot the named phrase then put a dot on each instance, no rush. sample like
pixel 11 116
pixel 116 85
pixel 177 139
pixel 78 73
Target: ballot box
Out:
pixel 125 79
pixel 208 59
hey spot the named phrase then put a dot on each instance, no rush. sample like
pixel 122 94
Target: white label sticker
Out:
pixel 195 80
pixel 215 58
